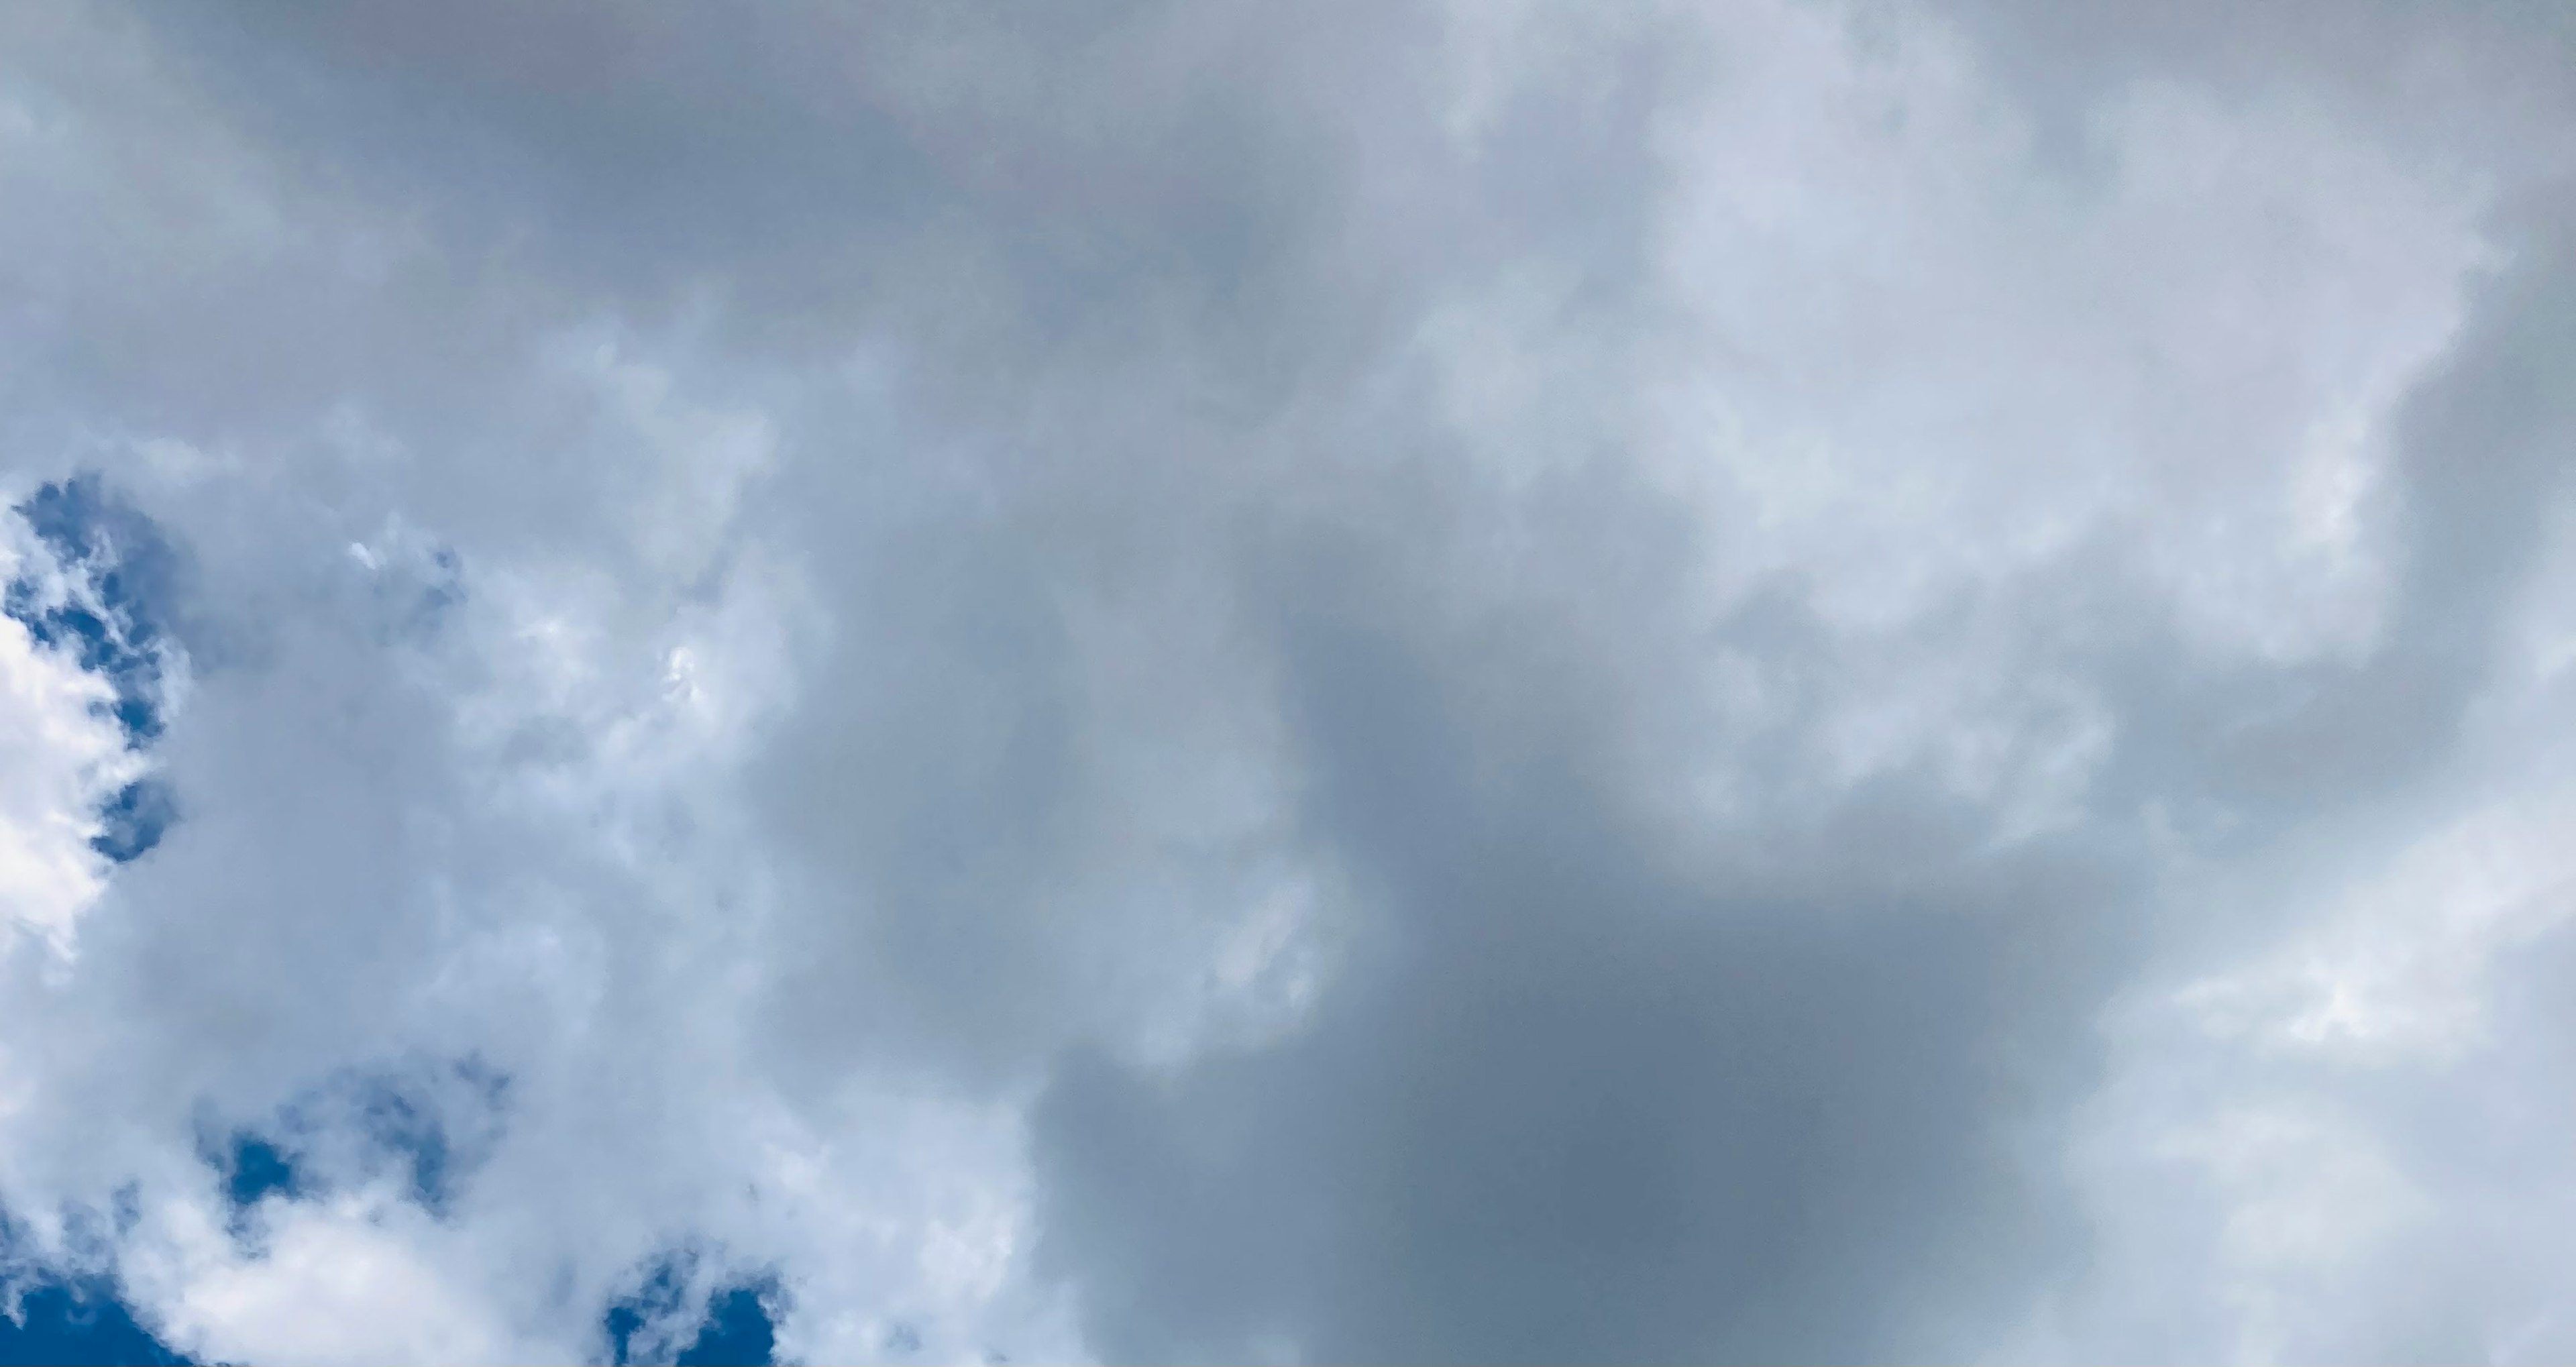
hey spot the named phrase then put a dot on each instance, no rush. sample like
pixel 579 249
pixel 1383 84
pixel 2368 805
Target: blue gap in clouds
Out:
pixel 130 571
pixel 401 1117
pixel 74 1320
pixel 253 1167
pixel 78 1323
pixel 738 1330
pixel 257 1167
pixel 407 1122
pixel 134 820
pixel 396 1125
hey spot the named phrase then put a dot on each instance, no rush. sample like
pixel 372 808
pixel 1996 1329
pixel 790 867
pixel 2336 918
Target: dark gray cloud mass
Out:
pixel 1577 1104
pixel 1406 682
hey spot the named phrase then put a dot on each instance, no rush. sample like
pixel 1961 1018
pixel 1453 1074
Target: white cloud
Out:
pixel 991 594
pixel 64 754
pixel 360 1277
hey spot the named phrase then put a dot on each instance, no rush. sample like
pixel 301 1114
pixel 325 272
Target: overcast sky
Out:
pixel 1145 680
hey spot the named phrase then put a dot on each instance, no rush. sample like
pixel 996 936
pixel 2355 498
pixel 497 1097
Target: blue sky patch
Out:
pixel 79 1323
pixel 737 1329
pixel 255 1168
pixel 116 623
pixel 431 1123
pixel 78 1320
pixel 400 1126
pixel 134 820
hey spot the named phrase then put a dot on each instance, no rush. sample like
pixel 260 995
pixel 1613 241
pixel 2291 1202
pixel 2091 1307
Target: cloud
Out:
pixel 87 664
pixel 1369 682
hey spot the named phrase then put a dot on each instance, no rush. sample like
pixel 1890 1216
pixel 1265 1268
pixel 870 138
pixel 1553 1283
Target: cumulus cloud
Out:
pixel 1146 681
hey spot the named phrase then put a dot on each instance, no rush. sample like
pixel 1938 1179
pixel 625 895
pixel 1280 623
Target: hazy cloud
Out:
pixel 1432 682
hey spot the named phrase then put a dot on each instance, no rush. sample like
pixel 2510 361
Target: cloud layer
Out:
pixel 1358 682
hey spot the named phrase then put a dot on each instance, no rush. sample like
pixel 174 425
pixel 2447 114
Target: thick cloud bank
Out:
pixel 1356 682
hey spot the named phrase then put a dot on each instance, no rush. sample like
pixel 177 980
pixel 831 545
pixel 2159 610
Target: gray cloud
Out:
pixel 1576 1103
pixel 1379 682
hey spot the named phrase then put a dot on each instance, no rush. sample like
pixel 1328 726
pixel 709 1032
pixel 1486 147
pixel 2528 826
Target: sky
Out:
pixel 1183 680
